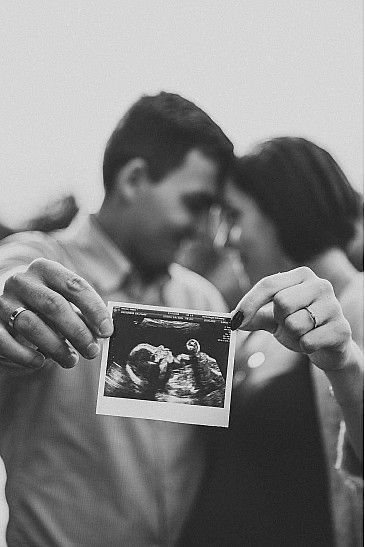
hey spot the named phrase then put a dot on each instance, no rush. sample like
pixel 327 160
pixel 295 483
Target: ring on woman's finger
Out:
pixel 14 315
pixel 312 316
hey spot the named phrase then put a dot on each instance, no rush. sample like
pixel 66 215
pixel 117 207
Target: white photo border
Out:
pixel 156 410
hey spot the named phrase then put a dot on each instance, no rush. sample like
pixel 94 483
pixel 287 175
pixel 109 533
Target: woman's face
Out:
pixel 254 236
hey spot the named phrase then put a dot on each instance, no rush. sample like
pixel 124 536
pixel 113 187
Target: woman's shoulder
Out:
pixel 355 287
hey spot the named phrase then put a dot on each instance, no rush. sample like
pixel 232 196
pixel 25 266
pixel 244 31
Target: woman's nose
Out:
pixel 227 235
pixel 234 236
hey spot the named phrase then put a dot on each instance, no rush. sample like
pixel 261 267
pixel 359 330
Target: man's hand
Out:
pixel 50 327
pixel 303 313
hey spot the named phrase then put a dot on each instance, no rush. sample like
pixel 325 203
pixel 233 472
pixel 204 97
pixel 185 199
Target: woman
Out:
pixel 288 205
pixel 294 207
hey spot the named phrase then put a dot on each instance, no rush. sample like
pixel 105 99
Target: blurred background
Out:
pixel 259 68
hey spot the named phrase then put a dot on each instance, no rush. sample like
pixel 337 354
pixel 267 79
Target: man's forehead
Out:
pixel 197 176
pixel 198 183
pixel 199 160
pixel 230 196
pixel 198 167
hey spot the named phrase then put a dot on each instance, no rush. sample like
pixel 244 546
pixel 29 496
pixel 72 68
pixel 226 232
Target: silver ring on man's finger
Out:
pixel 313 317
pixel 14 315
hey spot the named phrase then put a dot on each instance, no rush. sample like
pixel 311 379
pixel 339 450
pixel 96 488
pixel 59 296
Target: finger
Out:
pixel 298 323
pixel 292 299
pixel 30 330
pixel 324 311
pixel 16 353
pixel 265 290
pixel 78 291
pixel 262 320
pixel 329 336
pixel 29 325
pixel 56 312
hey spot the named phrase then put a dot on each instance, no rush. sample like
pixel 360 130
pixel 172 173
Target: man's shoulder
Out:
pixel 191 279
pixel 18 250
pixel 353 294
pixel 29 243
pixel 203 294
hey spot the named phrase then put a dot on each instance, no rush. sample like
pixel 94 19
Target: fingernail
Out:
pixel 38 361
pixel 236 320
pixel 106 327
pixel 72 359
pixel 92 350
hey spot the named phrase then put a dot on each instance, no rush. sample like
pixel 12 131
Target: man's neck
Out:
pixel 121 237
pixel 334 265
pixel 106 221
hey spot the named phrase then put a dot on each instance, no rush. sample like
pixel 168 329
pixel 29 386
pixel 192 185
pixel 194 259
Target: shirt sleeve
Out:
pixel 19 250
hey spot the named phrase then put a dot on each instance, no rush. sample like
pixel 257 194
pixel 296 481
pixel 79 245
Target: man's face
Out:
pixel 175 209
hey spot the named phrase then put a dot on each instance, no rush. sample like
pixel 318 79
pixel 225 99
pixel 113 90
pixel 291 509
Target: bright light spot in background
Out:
pixel 256 360
pixel 263 68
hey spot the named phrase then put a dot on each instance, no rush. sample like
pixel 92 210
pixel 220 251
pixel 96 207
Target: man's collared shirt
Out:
pixel 76 478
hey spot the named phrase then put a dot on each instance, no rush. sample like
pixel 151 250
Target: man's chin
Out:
pixel 153 271
pixel 166 257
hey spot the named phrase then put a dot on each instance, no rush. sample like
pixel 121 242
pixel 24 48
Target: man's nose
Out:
pixel 234 236
pixel 200 229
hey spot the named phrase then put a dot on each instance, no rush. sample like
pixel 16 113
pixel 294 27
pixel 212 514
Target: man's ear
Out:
pixel 130 178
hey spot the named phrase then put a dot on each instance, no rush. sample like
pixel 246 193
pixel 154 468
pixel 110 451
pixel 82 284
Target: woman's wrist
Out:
pixel 347 380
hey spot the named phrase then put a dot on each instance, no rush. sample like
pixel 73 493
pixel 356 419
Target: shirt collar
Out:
pixel 103 253
pixel 106 255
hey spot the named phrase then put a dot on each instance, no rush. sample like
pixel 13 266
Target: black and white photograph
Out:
pixel 177 364
pixel 182 273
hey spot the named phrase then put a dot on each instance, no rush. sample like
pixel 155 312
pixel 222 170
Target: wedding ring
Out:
pixel 14 315
pixel 313 317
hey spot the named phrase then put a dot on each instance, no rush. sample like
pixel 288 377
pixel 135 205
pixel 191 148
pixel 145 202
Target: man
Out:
pixel 74 477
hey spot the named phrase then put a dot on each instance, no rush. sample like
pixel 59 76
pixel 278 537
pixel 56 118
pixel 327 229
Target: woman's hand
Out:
pixel 303 313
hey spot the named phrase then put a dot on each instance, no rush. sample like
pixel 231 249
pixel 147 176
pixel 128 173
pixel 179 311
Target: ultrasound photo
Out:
pixel 167 364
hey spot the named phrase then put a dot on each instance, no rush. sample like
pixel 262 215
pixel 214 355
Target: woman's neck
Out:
pixel 334 265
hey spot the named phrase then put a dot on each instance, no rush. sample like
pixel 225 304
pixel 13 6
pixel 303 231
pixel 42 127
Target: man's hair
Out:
pixel 302 189
pixel 162 129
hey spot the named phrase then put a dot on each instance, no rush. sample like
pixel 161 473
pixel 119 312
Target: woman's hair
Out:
pixel 302 189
